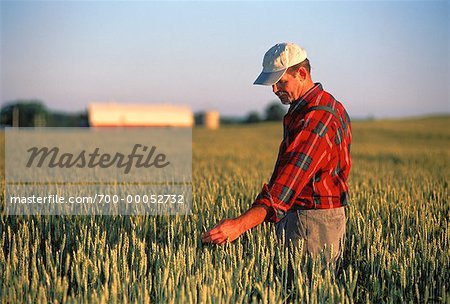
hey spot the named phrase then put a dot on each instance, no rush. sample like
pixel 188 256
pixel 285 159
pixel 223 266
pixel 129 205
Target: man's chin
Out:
pixel 285 101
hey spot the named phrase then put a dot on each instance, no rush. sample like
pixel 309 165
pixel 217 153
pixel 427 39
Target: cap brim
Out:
pixel 269 78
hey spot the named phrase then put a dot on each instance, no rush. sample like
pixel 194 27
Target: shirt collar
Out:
pixel 309 96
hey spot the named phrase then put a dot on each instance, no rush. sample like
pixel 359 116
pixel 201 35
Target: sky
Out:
pixel 379 58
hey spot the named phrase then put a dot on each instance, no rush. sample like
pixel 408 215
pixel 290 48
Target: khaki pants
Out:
pixel 318 228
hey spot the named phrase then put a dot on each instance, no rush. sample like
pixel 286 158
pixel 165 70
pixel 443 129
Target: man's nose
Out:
pixel 274 88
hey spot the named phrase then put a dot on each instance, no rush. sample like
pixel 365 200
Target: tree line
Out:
pixel 33 113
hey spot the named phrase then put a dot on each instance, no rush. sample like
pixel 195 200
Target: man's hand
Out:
pixel 226 230
pixel 231 229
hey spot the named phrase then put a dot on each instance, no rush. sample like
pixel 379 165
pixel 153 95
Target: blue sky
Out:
pixel 387 59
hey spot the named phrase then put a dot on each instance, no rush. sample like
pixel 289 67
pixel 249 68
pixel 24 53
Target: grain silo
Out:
pixel 211 119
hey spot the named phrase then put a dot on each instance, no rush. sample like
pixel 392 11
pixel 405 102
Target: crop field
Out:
pixel 397 242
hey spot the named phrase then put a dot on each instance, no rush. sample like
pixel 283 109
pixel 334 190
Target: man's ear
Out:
pixel 303 74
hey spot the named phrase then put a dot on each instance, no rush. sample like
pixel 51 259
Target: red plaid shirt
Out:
pixel 314 157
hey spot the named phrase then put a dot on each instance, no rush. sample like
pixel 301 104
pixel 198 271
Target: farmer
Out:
pixel 308 189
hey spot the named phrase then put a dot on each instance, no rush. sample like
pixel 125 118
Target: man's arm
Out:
pixel 231 229
pixel 309 148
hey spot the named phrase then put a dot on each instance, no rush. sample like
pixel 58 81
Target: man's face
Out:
pixel 287 88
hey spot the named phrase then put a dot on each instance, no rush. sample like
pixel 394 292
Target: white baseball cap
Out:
pixel 277 60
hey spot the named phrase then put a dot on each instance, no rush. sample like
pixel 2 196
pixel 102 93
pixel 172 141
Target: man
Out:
pixel 308 189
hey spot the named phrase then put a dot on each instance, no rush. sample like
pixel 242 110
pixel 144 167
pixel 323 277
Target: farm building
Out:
pixel 139 115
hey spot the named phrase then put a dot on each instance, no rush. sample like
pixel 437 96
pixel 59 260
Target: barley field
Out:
pixel 397 248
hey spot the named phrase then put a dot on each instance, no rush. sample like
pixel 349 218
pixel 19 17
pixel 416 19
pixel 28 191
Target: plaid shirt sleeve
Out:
pixel 308 147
